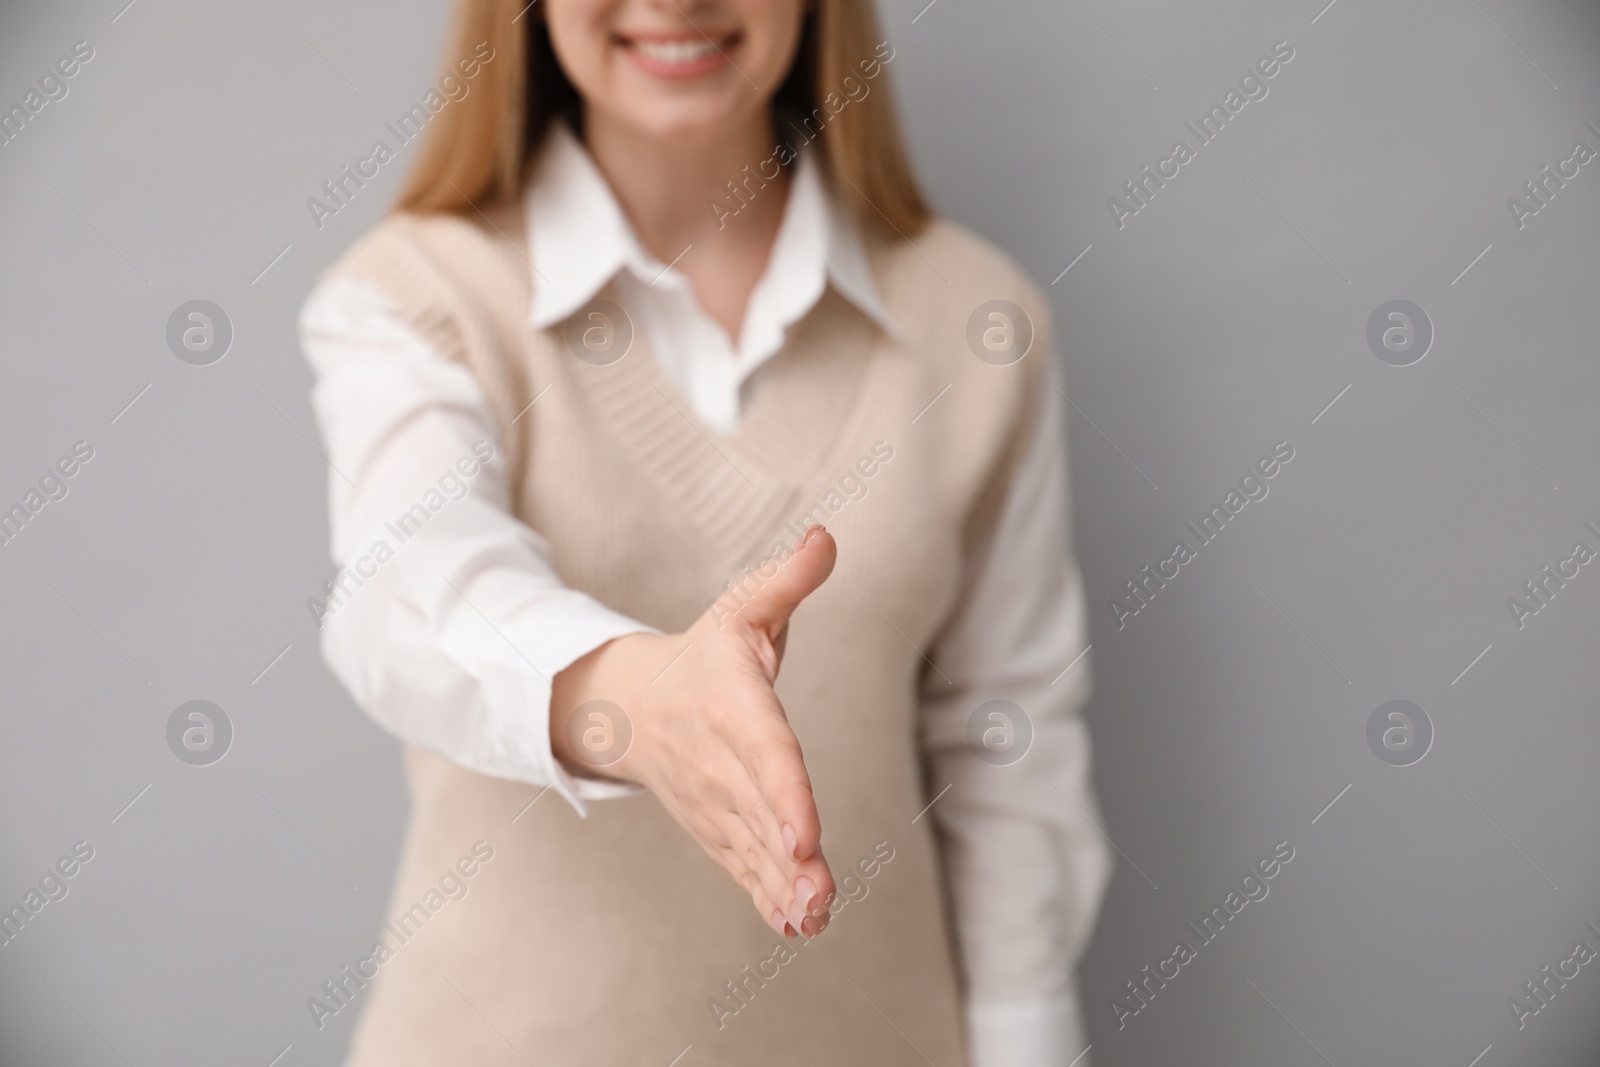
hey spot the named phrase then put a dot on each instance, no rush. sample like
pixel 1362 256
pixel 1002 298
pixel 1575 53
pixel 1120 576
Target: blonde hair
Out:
pixel 478 151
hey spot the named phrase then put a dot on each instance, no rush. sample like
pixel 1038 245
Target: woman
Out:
pixel 660 299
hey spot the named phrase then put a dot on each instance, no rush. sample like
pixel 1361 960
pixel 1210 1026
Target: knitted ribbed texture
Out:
pixel 606 940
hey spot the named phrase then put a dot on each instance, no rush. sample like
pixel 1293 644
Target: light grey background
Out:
pixel 1221 319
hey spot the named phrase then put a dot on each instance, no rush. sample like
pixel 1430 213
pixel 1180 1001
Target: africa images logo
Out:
pixel 1252 86
pixel 1252 487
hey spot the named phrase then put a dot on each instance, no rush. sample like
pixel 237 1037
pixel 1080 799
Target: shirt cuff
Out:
pixel 516 667
pixel 1027 1033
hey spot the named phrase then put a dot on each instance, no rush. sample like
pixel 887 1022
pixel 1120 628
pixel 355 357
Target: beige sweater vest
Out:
pixel 613 940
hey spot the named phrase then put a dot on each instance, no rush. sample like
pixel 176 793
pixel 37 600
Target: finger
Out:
pixel 729 840
pixel 807 567
pixel 734 857
pixel 708 835
pixel 769 912
pixel 808 900
pixel 761 821
pixel 814 894
pixel 748 825
pixel 771 755
pixel 773 759
pixel 751 854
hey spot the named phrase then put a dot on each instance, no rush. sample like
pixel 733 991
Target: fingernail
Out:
pixel 811 927
pixel 811 533
pixel 804 890
pixel 778 923
pixel 790 841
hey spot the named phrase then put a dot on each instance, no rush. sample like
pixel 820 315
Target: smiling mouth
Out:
pixel 680 55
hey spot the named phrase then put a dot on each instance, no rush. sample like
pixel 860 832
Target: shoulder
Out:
pixel 963 304
pixel 945 260
pixel 972 261
pixel 431 247
pixel 440 272
pixel 946 285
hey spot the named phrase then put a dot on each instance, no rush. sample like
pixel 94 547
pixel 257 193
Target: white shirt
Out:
pixel 452 643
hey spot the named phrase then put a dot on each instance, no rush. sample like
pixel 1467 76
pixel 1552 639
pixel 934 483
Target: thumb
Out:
pixel 777 587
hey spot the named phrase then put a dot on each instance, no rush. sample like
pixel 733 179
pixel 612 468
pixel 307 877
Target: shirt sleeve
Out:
pixel 1025 862
pixel 446 621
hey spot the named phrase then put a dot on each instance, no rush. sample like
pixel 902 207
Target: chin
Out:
pixel 689 121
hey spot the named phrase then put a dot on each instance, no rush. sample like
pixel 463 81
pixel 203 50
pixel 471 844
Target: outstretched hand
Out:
pixel 712 741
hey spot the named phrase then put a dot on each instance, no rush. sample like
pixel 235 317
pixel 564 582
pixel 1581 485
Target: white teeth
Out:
pixel 675 51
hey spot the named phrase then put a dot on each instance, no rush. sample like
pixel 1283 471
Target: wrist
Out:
pixel 609 672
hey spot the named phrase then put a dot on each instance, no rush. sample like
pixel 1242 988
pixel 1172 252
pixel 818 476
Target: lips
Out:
pixel 679 55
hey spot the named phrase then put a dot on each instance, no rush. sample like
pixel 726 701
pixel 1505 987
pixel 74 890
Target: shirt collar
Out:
pixel 579 239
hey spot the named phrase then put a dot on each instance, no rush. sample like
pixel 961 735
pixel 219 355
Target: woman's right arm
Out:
pixel 451 628
pixel 459 622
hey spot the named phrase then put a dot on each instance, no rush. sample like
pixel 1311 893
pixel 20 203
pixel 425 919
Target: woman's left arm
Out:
pixel 1025 863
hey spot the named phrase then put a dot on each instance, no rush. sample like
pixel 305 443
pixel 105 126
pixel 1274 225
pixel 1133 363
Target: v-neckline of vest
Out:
pixel 733 490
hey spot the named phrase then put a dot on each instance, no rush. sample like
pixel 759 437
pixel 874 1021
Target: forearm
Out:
pixel 1026 869
pixel 604 682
